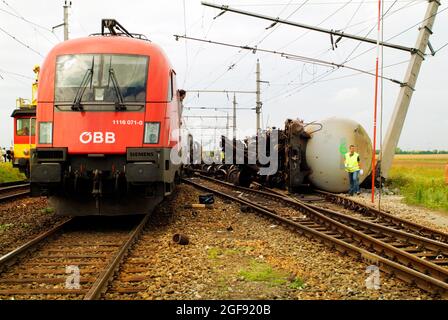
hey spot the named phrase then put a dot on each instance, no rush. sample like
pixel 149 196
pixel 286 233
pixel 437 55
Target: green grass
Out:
pixel 47 210
pixel 297 284
pixel 216 252
pixel 420 185
pixel 6 226
pixel 258 271
pixel 10 174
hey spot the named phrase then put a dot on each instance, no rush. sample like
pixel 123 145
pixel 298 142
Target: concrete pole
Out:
pixel 234 117
pixel 258 93
pixel 67 5
pixel 404 97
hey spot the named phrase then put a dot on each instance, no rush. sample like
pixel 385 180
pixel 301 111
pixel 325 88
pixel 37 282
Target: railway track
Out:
pixel 331 204
pixel 414 258
pixel 14 190
pixel 40 268
pixel 382 217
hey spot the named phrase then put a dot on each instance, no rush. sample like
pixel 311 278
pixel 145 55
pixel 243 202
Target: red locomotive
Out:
pixel 107 105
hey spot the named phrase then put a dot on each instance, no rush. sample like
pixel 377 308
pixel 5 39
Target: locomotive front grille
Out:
pixel 50 154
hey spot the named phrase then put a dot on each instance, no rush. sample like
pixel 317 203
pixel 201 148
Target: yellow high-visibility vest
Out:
pixel 351 162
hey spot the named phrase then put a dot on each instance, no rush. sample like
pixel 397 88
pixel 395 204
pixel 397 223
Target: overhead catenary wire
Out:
pixel 354 14
pixel 387 14
pixel 319 24
pixel 288 56
pixel 327 73
pixel 442 47
pixel 21 42
pixel 193 61
pixel 311 3
pixel 16 74
pixel 234 64
pixel 24 19
pixel 350 75
pixel 309 27
pixel 399 34
pixel 17 15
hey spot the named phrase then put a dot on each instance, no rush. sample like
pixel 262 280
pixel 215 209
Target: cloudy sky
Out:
pixel 294 89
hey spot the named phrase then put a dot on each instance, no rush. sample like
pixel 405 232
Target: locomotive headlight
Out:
pixel 26 152
pixel 152 130
pixel 45 132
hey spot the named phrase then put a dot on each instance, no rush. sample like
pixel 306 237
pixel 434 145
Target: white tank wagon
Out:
pixel 330 140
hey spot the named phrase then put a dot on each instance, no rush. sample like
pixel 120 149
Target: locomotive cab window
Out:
pixel 101 80
pixel 25 126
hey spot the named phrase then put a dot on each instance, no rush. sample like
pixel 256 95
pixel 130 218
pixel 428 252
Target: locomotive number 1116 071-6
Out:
pixel 128 122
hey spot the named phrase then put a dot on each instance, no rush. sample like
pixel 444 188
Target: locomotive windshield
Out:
pixel 101 78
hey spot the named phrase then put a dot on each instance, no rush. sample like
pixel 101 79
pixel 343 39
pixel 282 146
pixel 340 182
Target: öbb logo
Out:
pixel 97 137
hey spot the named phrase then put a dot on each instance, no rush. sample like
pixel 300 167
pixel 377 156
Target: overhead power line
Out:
pixel 21 42
pixel 215 108
pixel 314 3
pixel 33 24
pixel 24 19
pixel 398 34
pixel 289 56
pixel 309 27
pixel 273 27
pixel 442 47
pixel 16 74
pixel 319 78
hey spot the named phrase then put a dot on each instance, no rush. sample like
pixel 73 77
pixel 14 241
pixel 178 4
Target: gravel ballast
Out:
pixel 394 204
pixel 235 255
pixel 21 220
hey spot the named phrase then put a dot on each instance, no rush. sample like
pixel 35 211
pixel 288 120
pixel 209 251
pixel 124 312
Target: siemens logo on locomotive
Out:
pixel 97 137
pixel 141 154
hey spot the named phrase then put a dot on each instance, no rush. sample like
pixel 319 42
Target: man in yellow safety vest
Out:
pixel 352 166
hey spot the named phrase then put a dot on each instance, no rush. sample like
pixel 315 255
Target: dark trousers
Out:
pixel 353 177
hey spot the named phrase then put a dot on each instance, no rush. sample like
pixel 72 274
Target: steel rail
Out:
pixel 13 183
pixel 11 257
pixel 428 276
pixel 348 203
pixel 98 282
pixel 105 277
pixel 381 246
pixel 359 236
pixel 429 244
pixel 16 189
pixel 373 212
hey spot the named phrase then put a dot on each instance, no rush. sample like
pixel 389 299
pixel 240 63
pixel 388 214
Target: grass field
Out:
pixel 421 179
pixel 9 174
